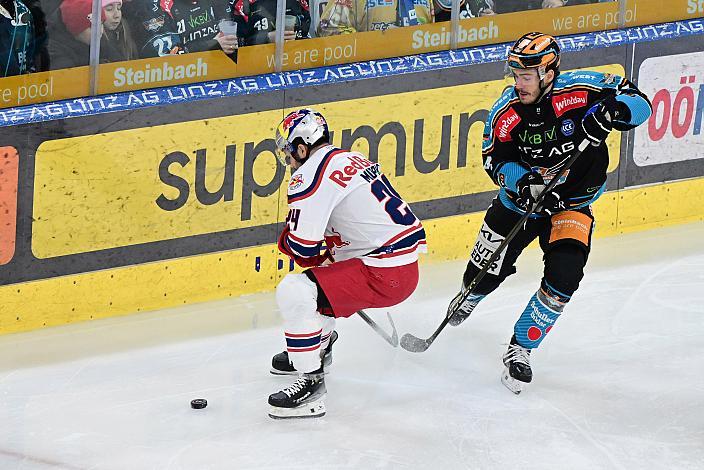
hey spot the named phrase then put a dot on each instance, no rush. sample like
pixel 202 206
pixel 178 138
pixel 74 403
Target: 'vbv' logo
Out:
pixel 563 103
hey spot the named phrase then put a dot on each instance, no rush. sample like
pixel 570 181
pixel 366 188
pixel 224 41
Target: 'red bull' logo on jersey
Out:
pixel 335 241
pixel 565 102
pixel 505 125
pixel 296 182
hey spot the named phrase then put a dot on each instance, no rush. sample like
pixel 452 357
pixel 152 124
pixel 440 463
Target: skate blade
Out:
pixel 273 371
pixel 282 372
pixel 315 409
pixel 516 386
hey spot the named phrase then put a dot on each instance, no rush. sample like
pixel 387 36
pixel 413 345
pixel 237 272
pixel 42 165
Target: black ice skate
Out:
pixel 517 372
pixel 281 365
pixel 302 399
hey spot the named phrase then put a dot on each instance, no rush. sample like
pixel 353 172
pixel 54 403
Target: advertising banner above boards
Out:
pixel 198 177
pixel 675 132
pixel 332 74
pixel 319 52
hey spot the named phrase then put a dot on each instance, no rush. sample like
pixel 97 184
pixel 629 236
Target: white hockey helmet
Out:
pixel 304 126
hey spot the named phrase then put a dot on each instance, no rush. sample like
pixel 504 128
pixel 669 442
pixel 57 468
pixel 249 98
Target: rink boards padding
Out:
pixel 155 206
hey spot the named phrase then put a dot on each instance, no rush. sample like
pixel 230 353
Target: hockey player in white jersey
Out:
pixel 360 241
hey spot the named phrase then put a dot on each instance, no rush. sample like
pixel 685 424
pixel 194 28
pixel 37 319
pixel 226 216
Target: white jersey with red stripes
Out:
pixel 341 201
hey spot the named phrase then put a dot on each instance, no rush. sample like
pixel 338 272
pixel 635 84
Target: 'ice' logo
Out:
pixel 567 127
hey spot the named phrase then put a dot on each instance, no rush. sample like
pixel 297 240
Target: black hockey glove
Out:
pixel 528 187
pixel 552 204
pixel 598 121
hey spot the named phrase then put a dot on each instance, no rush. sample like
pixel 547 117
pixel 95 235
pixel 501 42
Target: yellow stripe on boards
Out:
pixel 127 290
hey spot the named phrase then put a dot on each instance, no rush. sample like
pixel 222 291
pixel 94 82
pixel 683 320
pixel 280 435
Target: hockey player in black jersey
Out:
pixel 530 134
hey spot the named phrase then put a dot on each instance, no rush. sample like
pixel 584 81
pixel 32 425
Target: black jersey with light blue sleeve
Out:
pixel 17 39
pixel 542 136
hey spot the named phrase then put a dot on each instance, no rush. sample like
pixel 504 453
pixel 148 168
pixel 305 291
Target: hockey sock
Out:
pixel 538 317
pixel 304 350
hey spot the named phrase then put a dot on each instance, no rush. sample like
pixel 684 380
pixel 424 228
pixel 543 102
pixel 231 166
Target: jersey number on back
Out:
pixel 394 206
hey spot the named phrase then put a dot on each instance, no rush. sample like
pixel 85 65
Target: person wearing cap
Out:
pixel 530 134
pixel 70 46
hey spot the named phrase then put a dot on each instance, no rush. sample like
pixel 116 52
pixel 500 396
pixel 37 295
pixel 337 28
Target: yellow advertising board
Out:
pixel 164 182
pixel 41 87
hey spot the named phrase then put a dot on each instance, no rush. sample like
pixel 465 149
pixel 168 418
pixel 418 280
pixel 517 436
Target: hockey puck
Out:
pixel 199 403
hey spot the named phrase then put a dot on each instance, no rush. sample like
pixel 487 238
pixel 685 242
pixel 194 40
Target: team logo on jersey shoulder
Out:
pixel 296 182
pixel 153 24
pixel 567 128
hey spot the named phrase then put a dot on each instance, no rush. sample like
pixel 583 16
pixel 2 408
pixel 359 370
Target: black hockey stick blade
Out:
pixel 414 344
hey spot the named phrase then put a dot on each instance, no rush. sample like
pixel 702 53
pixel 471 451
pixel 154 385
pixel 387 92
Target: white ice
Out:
pixel 619 383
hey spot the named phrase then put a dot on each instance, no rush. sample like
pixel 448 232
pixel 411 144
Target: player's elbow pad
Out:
pixel 508 174
pixel 638 107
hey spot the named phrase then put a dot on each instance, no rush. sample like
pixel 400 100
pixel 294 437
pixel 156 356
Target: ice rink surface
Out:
pixel 619 383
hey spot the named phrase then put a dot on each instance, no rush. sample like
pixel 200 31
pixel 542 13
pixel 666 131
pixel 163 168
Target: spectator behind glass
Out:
pixel 116 43
pixel 163 27
pixel 69 42
pixel 349 16
pixel 197 22
pixel 153 31
pixel 468 9
pixel 256 20
pixel 16 38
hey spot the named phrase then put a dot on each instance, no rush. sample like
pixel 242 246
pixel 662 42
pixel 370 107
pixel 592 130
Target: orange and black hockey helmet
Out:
pixel 535 50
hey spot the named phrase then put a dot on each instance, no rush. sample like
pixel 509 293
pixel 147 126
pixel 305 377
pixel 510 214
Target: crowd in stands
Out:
pixel 40 35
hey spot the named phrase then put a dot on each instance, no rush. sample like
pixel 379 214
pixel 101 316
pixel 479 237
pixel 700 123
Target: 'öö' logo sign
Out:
pixel 674 130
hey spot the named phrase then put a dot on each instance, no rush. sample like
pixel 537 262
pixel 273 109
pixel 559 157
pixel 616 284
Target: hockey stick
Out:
pixel 413 343
pixel 392 338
